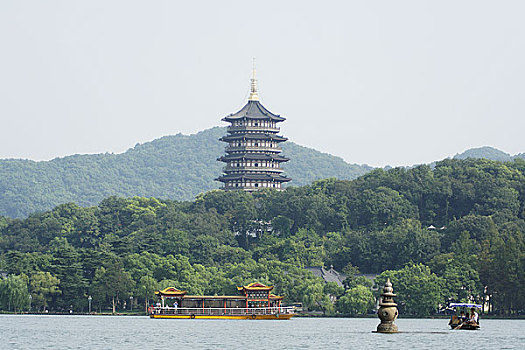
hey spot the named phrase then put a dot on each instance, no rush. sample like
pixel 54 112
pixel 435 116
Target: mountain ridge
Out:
pixel 488 152
pixel 171 167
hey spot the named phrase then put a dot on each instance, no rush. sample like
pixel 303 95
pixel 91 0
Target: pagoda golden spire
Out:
pixel 253 91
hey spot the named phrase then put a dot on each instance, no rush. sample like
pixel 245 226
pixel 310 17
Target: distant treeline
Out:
pixel 175 167
pixel 451 233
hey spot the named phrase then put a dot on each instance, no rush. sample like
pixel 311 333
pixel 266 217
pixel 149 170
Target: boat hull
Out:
pixel 464 327
pixel 228 317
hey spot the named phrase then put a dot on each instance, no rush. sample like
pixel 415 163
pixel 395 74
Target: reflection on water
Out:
pixel 126 332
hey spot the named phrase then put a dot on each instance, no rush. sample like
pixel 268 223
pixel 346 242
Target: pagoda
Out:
pixel 252 152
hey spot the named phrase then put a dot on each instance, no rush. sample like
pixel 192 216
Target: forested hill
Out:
pixel 490 153
pixel 173 167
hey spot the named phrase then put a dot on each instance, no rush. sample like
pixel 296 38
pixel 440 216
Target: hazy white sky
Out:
pixel 376 82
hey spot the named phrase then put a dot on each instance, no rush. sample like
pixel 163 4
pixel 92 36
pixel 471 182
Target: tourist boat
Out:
pixel 457 323
pixel 255 301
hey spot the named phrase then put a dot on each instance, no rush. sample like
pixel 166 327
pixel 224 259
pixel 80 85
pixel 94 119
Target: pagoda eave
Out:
pixel 263 137
pixel 235 149
pixel 264 117
pixel 253 156
pixel 253 177
pixel 253 110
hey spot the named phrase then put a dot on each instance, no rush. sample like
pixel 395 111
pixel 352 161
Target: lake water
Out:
pixel 128 332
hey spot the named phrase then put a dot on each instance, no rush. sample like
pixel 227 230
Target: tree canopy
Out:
pixel 454 232
pixel 175 167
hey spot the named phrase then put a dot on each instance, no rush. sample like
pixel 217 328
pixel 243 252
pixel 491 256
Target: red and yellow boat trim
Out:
pixel 228 317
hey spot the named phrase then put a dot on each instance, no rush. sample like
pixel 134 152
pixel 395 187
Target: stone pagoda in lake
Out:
pixel 252 159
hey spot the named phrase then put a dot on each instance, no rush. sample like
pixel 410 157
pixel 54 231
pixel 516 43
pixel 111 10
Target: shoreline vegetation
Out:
pixel 453 232
pixel 301 315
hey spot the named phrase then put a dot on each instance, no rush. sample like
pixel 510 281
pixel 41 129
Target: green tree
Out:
pixel 333 289
pixel 111 284
pixel 66 266
pixel 43 287
pixel 356 301
pixel 419 291
pixel 146 288
pixel 14 295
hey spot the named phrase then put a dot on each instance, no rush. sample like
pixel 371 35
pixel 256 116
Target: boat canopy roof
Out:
pixel 170 292
pixel 255 286
pixel 465 305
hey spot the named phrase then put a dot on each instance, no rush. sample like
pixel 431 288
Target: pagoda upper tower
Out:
pixel 252 159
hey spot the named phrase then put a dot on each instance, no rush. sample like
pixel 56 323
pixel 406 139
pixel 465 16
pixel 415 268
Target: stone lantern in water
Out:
pixel 387 310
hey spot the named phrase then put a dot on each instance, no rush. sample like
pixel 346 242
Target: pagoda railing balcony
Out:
pixel 253 148
pixel 252 168
pixel 253 128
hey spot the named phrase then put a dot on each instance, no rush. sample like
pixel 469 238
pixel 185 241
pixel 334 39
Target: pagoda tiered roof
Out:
pixel 253 110
pixel 253 156
pixel 254 176
pixel 253 136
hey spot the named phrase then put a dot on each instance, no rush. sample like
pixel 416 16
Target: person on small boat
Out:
pixel 457 320
pixel 469 321
pixel 472 320
pixel 474 317
pixel 454 320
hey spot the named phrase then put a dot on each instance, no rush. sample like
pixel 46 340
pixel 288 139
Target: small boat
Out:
pixel 255 302
pixel 460 322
